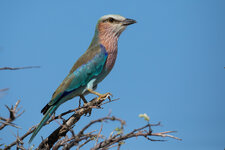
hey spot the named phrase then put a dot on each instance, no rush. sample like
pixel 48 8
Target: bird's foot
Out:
pixel 85 102
pixel 101 96
pixel 105 96
pixel 88 112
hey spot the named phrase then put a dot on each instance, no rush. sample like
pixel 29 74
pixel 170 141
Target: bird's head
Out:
pixel 113 25
pixel 109 28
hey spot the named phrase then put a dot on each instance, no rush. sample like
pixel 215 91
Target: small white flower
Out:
pixel 145 116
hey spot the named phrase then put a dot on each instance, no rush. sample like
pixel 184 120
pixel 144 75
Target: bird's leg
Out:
pixel 83 98
pixel 106 95
pixel 85 101
pixel 79 103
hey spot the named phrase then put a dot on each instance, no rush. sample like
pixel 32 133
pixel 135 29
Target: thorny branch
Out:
pixel 119 138
pixel 60 138
pixel 13 114
pixel 62 130
pixel 69 123
pixel 31 130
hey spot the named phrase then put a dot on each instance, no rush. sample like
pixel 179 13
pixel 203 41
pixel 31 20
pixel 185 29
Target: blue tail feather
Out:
pixel 46 117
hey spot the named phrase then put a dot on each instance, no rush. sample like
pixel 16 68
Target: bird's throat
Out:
pixel 110 41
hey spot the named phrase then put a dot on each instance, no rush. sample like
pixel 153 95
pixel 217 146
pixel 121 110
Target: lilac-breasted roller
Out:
pixel 91 68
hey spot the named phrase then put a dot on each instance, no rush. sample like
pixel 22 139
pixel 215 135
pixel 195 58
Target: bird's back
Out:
pixel 83 60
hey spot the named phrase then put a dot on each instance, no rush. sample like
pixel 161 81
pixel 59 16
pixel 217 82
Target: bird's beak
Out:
pixel 128 21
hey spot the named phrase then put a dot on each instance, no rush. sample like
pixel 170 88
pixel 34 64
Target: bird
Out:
pixel 91 68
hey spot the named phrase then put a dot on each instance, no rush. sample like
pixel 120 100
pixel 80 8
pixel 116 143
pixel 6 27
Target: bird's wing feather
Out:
pixel 93 63
pixel 88 66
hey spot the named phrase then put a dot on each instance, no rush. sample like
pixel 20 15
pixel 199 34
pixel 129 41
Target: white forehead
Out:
pixel 116 17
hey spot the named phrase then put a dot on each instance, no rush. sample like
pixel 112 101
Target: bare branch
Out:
pixel 10 124
pixel 31 130
pixel 140 132
pixel 99 134
pixel 164 134
pixel 18 68
pixel 100 120
pixel 116 138
pixel 3 90
pixel 13 114
pixel 62 130
pixel 87 141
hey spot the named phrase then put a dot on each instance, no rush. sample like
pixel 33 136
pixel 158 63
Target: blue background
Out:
pixel 170 65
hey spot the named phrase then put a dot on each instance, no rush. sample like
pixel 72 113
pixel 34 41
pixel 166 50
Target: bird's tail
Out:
pixel 47 115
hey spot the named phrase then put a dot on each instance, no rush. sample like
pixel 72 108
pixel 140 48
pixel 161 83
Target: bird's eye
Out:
pixel 111 20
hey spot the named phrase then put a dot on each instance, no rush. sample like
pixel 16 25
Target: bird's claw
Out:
pixel 88 112
pixel 105 96
pixel 109 95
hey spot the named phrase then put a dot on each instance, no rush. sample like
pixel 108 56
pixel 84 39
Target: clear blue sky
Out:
pixel 170 65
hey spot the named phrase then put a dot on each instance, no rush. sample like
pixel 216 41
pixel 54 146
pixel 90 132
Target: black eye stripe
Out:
pixel 111 20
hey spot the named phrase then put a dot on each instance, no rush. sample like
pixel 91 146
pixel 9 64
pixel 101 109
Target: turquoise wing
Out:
pixel 76 79
pixel 82 75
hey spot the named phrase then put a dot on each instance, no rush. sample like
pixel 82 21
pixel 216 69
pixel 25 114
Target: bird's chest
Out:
pixel 111 59
pixel 110 44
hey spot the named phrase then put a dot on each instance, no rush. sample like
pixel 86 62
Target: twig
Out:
pixel 31 130
pixel 164 134
pixel 99 134
pixel 101 120
pixel 87 141
pixel 3 90
pixel 135 133
pixel 13 114
pixel 10 124
pixel 18 68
